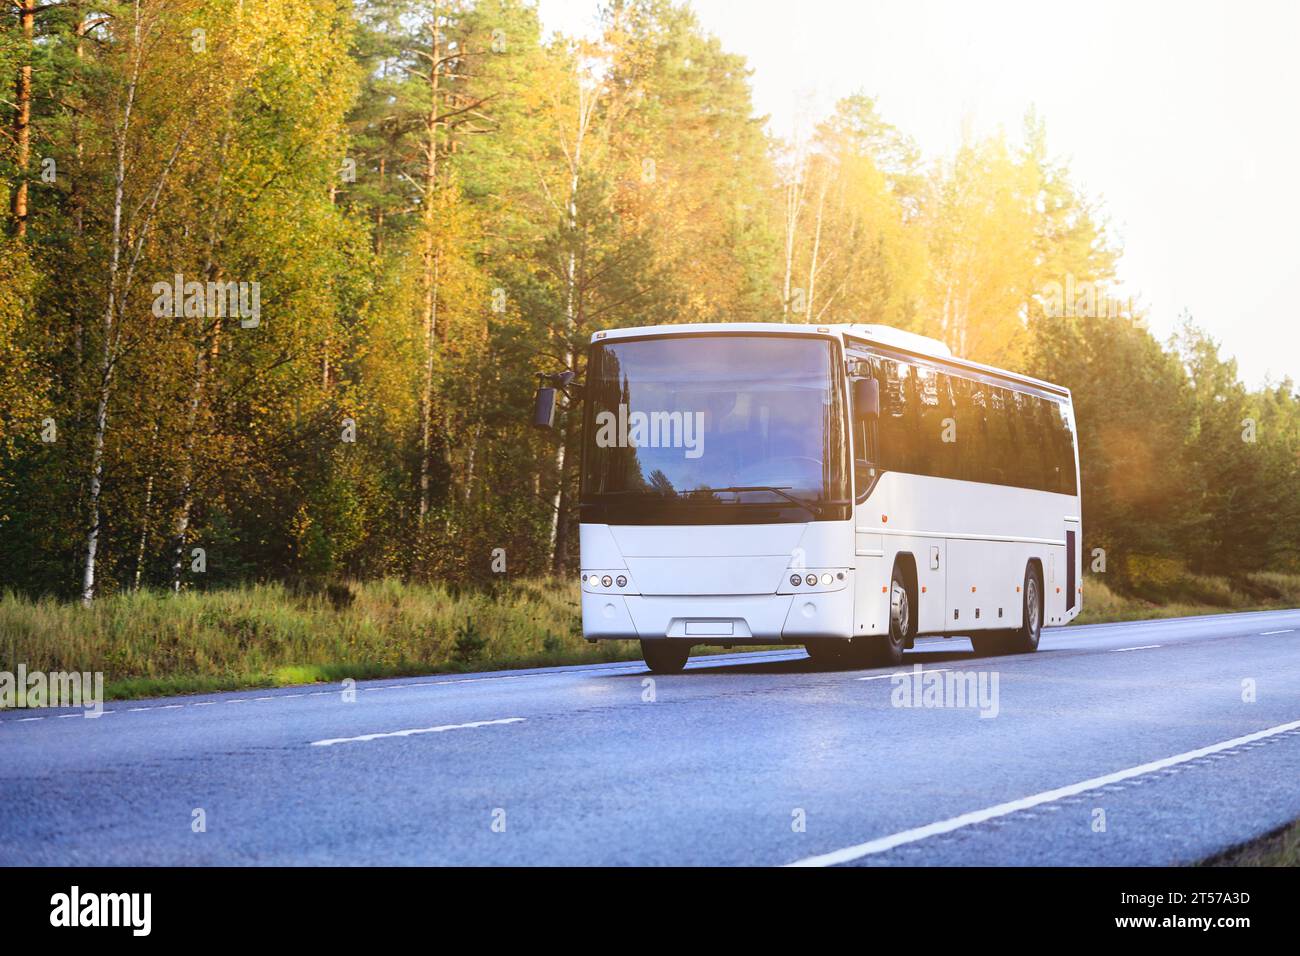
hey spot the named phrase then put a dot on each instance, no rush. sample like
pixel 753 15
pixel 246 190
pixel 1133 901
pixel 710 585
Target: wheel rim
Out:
pixel 899 613
pixel 1031 610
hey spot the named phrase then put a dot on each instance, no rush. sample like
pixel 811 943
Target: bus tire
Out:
pixel 886 650
pixel 665 656
pixel 1024 639
pixel 902 621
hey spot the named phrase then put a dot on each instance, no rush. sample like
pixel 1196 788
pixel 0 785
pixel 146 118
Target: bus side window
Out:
pixel 864 457
pixel 866 445
pixel 1064 450
pixel 966 429
pixel 998 437
pixel 979 435
pixel 908 457
pixel 891 453
pixel 947 429
pixel 1040 445
pixel 923 422
pixel 1023 440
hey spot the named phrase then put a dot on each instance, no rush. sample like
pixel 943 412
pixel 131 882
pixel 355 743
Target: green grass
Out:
pixel 154 643
pixel 1279 848
pixel 1198 595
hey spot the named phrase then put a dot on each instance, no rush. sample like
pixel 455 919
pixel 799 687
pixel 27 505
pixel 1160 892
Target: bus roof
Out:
pixel 848 333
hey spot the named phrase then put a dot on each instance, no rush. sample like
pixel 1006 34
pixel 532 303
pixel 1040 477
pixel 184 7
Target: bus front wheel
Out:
pixel 665 656
pixel 886 650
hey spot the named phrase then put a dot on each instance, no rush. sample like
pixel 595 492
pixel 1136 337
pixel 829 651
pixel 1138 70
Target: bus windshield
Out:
pixel 709 427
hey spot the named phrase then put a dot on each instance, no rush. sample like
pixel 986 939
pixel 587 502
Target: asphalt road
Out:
pixel 1160 742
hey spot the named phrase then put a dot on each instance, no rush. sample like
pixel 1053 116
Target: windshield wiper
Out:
pixel 782 491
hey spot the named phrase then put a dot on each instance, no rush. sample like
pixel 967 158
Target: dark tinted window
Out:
pixel 1063 429
pixel 949 426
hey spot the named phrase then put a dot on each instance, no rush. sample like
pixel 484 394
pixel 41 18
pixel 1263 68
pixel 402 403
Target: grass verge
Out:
pixel 155 643
pixel 1206 595
pixel 1279 848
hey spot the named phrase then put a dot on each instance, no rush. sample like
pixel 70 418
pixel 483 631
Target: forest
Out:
pixel 278 279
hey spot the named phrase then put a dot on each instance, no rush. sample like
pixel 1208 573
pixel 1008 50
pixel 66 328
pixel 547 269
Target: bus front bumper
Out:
pixel 719 619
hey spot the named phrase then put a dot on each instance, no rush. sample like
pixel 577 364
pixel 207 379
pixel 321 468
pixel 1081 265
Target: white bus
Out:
pixel 845 487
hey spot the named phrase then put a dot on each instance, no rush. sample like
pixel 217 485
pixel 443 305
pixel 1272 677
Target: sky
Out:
pixel 1181 118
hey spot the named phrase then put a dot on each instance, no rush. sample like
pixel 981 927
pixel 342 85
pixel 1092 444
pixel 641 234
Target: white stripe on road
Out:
pixel 928 670
pixel 882 844
pixel 1140 647
pixel 417 730
pixel 1289 630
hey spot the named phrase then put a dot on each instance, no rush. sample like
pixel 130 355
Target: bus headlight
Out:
pixel 819 579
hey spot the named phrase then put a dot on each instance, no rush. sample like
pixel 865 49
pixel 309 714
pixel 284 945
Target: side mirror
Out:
pixel 866 398
pixel 544 407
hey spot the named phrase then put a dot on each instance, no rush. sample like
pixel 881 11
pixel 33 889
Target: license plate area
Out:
pixel 710 629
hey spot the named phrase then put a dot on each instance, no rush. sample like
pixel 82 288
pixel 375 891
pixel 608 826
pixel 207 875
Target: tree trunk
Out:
pixel 560 540
pixel 77 196
pixel 793 203
pixel 107 356
pixel 23 118
pixel 143 541
pixel 431 265
pixel 816 249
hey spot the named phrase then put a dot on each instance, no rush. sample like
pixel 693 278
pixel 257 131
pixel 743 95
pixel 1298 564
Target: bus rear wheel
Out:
pixel 665 656
pixel 1024 639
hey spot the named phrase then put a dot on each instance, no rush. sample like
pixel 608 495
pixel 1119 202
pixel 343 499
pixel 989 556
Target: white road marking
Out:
pixel 928 670
pixel 1140 647
pixel 416 730
pixel 882 844
pixel 478 680
pixel 1289 630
